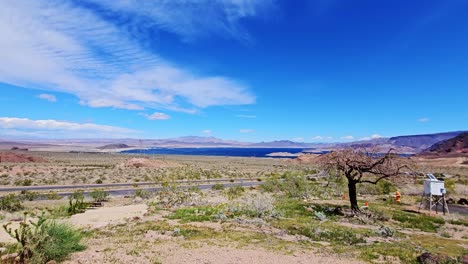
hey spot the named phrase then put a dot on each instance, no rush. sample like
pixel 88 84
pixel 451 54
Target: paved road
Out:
pixel 131 191
pixel 109 185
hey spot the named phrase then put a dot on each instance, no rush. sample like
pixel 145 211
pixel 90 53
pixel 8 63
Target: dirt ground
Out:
pixel 173 253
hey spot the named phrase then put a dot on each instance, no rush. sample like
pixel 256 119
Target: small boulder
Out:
pixel 9 258
pixel 429 258
pixel 450 201
pixel 463 201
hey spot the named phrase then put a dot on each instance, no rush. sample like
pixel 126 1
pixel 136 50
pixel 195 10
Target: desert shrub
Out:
pixel 76 203
pixel 143 194
pixel 98 181
pixel 320 216
pixel 385 187
pixel 195 214
pixel 385 231
pixel 330 211
pixel 11 203
pixel 450 185
pixel 382 187
pixel 336 235
pixel 217 187
pixel 99 195
pixel 25 182
pixel 42 241
pixel 234 192
pixel 29 195
pixel 258 205
pixel 61 240
pixel 171 195
pixel 295 186
pixel 271 184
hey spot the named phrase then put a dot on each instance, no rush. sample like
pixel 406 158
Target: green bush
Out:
pixel 450 185
pixel 29 195
pixel 294 186
pixel 144 194
pixel 44 240
pixel 11 203
pixel 76 203
pixel 99 195
pixel 172 195
pixel 386 187
pixel 25 182
pixel 234 192
pixel 217 187
pixel 61 240
pixel 194 214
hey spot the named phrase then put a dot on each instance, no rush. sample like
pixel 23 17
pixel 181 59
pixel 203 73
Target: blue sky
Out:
pixel 251 70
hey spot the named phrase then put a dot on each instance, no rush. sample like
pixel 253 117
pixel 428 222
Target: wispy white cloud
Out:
pixel 322 138
pixel 12 126
pixel 374 136
pixel 247 116
pixel 182 17
pixel 48 97
pixel 347 137
pixel 157 116
pixel 298 139
pixel 246 131
pixel 207 132
pixel 66 47
pixel 424 120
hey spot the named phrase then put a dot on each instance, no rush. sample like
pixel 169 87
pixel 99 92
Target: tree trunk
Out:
pixel 353 196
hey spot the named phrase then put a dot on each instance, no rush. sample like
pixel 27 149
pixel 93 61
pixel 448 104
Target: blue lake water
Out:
pixel 233 152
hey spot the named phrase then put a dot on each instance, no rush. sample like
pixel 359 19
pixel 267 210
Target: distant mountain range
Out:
pixel 403 144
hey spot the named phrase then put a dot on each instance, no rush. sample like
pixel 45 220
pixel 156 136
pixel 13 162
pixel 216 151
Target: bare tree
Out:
pixel 364 166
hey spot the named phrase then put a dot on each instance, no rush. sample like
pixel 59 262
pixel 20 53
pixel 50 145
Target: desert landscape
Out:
pixel 205 209
pixel 233 132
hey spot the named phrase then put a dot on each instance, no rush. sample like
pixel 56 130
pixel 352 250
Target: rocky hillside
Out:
pixel 450 147
pixel 422 142
pixel 114 146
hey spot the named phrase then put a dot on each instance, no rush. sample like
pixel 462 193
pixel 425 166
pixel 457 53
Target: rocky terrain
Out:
pixel 421 142
pixel 457 146
pixel 14 158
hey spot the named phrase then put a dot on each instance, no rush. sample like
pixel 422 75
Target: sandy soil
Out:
pixel 5 237
pixel 104 216
pixel 173 253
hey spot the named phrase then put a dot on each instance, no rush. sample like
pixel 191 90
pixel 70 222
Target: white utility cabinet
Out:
pixel 432 186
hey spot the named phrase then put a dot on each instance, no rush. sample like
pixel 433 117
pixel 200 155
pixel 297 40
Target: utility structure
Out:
pixel 434 194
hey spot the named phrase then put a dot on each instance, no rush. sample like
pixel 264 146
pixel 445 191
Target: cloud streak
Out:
pixel 65 47
pixel 48 97
pixel 158 116
pixel 13 126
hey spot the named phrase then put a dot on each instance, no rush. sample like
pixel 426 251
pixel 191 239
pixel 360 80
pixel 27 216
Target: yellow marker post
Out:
pixel 398 197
